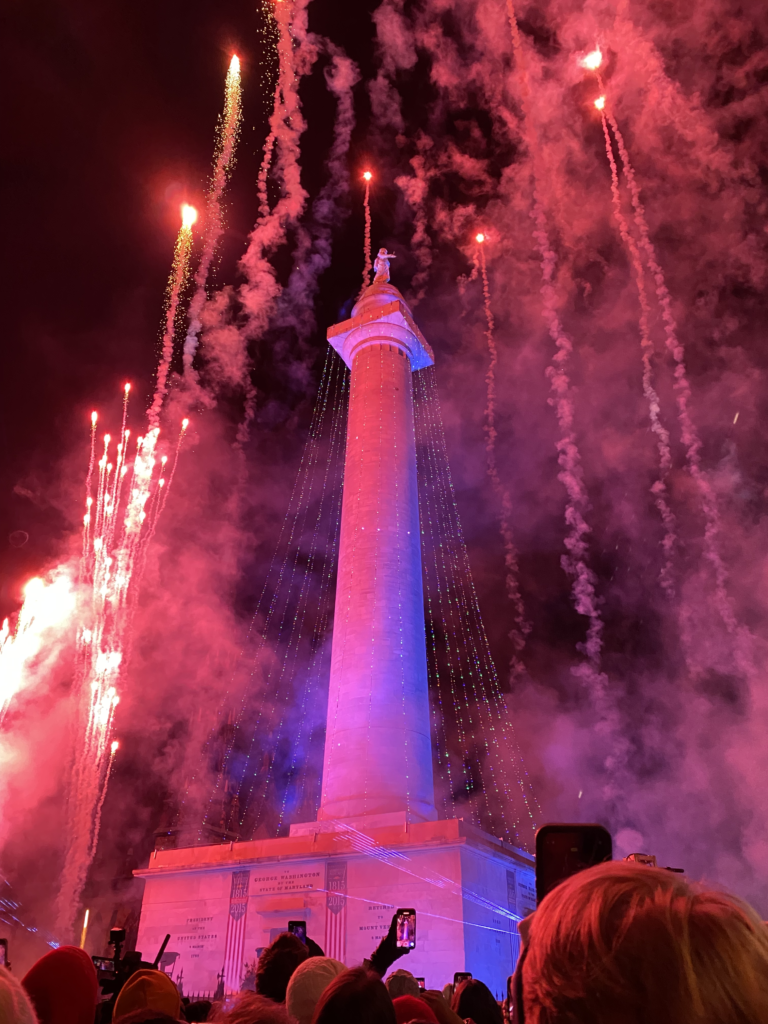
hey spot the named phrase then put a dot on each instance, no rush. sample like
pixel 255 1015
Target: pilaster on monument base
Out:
pixel 222 904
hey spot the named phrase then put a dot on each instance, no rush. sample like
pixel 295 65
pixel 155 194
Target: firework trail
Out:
pixel 522 626
pixel 115 539
pixel 176 283
pixel 113 748
pixel 261 181
pixel 415 189
pixel 224 160
pixel 367 265
pixel 88 497
pixel 315 241
pixel 261 289
pixel 682 387
pixel 571 473
pixel 659 488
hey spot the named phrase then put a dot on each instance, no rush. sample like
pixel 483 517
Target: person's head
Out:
pixel 408 1008
pixel 276 965
pixel 251 1008
pixel 63 987
pixel 355 997
pixel 472 999
pixel 307 984
pixel 145 1016
pixel 402 983
pixel 15 1006
pixel 625 942
pixel 148 990
pixel 198 1011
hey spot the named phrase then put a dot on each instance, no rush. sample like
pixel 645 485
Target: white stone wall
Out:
pixel 378 753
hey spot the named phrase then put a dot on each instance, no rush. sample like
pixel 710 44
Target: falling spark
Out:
pixel 367 265
pixel 176 283
pixel 735 419
pixel 600 102
pixel 228 133
pixel 85 928
pixel 522 626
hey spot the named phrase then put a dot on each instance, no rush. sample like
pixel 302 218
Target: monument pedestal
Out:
pixel 223 904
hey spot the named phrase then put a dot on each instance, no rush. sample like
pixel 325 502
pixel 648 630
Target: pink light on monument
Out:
pixel 378 698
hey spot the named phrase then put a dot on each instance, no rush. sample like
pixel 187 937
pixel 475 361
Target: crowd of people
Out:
pixel 620 943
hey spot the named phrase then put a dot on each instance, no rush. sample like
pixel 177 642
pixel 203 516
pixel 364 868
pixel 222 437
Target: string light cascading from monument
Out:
pixel 264 774
pixel 267 756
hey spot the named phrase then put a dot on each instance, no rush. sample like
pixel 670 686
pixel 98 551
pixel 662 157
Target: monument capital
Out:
pixel 381 316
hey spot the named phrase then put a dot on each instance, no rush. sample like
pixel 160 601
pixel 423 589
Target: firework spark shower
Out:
pixel 608 367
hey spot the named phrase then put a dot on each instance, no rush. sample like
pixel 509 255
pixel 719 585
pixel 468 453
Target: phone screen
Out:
pixel 564 850
pixel 4 952
pixel 406 929
pixel 460 976
pixel 422 983
pixel 299 929
pixel 104 963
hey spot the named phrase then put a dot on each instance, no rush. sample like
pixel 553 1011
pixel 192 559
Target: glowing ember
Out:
pixel 593 60
pixel 480 237
pixel 600 102
pixel 367 175
pixel 188 215
pixel 234 65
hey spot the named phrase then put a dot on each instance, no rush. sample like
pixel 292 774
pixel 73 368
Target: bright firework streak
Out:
pixel 176 283
pixel 226 144
pixel 367 265
pixel 117 535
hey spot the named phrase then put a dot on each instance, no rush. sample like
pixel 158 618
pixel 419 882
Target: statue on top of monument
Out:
pixel 381 266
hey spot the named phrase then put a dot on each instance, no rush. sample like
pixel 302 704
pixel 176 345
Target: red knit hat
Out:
pixel 63 987
pixel 408 1008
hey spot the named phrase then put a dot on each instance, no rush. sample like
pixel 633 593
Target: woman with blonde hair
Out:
pixel 622 943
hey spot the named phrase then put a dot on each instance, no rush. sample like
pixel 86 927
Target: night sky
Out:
pixel 109 119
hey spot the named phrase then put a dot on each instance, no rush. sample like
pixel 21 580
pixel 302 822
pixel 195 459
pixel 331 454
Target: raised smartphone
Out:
pixel 564 850
pixel 406 928
pixel 299 929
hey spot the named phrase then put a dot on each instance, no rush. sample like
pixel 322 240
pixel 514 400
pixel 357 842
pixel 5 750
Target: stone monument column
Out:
pixel 378 751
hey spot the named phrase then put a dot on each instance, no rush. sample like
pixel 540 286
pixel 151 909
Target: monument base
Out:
pixel 223 904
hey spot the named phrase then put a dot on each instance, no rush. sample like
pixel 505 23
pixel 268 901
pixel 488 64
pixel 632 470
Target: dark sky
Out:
pixel 110 129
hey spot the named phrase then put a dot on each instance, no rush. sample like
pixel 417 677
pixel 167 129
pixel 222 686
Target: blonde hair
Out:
pixel 622 943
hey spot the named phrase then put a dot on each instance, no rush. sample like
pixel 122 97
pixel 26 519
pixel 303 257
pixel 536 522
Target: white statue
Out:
pixel 381 266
